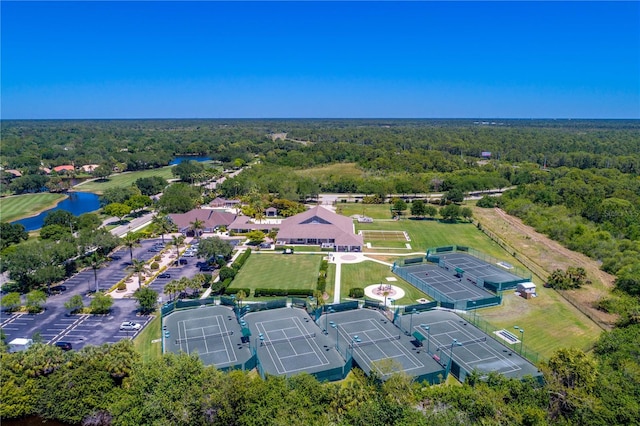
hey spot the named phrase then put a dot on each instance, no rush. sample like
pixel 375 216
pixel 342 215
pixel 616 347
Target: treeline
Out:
pixel 392 145
pixel 109 385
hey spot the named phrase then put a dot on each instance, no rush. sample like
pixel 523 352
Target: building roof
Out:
pixel 66 167
pixel 319 222
pixel 243 222
pixel 211 218
pixel 14 172
pixel 90 167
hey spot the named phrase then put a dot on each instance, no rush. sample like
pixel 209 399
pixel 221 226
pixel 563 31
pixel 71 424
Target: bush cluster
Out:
pixel 356 292
pixel 322 277
pixel 229 291
pixel 283 292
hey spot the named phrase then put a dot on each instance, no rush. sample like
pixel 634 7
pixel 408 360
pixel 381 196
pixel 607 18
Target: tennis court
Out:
pixel 370 338
pixel 288 342
pixel 475 269
pixel 212 332
pixel 444 282
pixel 449 336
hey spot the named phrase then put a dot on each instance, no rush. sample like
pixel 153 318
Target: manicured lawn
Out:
pixel 123 179
pixel 375 211
pixel 279 271
pixel 143 341
pixel 27 205
pixel 364 274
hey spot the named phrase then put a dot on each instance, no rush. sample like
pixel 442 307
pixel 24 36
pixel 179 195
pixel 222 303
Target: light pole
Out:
pixel 326 319
pixel 334 325
pixel 454 343
pixel 413 312
pixel 391 299
pixel 521 336
pixel 426 327
pixel 474 313
pixel 354 339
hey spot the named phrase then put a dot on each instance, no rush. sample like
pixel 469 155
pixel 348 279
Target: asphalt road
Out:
pixel 55 324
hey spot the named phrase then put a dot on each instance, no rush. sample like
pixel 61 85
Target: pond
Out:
pixel 76 203
pixel 178 160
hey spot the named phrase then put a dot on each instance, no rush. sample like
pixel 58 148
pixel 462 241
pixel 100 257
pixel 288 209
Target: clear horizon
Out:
pixel 320 60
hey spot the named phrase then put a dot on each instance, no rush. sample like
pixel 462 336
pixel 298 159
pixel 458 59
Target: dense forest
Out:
pixel 110 385
pixel 576 181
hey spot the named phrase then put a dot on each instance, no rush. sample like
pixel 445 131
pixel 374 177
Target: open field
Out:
pixel 279 271
pixel 123 179
pixel 549 255
pixel 337 169
pixel 430 233
pixel 144 344
pixel 20 206
pixel 375 211
pixel 364 274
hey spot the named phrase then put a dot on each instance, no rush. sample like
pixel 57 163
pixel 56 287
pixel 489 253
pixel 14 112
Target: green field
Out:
pixel 364 274
pixel 144 344
pixel 20 206
pixel 375 211
pixel 279 271
pixel 123 179
pixel 337 169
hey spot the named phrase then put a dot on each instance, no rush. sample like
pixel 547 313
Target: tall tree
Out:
pixel 163 225
pixel 197 226
pixel 131 240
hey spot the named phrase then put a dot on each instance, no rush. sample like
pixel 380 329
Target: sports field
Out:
pixel 123 180
pixel 20 206
pixel 280 271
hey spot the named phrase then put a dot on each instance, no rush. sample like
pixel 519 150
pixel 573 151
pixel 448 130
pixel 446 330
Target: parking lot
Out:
pixel 55 324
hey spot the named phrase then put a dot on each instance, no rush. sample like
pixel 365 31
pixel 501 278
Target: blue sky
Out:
pixel 320 59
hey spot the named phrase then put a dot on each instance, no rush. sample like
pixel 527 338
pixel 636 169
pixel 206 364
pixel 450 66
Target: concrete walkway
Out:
pixel 338 259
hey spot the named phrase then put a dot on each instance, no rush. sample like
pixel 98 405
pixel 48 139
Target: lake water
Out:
pixel 179 160
pixel 77 203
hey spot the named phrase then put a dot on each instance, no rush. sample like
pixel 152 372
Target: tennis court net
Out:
pixel 286 340
pixel 203 337
pixel 373 342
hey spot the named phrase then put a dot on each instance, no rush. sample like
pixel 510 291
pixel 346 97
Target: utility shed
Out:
pixel 527 290
pixel 20 344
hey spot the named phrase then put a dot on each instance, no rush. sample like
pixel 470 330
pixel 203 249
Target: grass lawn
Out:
pixel 375 211
pixel 430 233
pixel 364 274
pixel 144 341
pixel 279 271
pixel 20 206
pixel 337 169
pixel 123 179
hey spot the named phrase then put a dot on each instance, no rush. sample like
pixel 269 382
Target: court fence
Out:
pixel 489 329
pixel 444 300
pixel 167 308
pixel 420 307
pixel 525 275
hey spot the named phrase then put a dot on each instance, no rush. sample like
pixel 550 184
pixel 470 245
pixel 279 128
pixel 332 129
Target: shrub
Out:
pixel 122 286
pixel 356 292
pixel 158 258
pixel 283 292
pixel 227 273
pixel 229 291
pixel 154 266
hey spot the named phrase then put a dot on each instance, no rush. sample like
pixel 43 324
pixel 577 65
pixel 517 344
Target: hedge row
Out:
pixel 241 259
pixel 283 292
pixel 322 276
pixel 229 291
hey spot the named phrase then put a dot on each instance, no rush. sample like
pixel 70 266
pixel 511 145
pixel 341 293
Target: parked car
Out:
pixel 164 275
pixel 130 325
pixel 116 257
pixel 57 289
pixel 206 268
pixel 65 346
pixel 180 262
pixel 154 250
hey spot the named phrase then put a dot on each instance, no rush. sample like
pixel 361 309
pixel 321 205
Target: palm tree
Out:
pixel 139 267
pixel 96 262
pixel 240 296
pixel 177 241
pixel 171 288
pixel 131 240
pixel 120 360
pixel 164 225
pixel 197 226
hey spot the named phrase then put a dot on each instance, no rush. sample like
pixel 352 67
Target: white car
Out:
pixel 130 325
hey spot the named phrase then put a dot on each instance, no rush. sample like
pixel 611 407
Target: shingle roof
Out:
pixel 211 218
pixel 319 222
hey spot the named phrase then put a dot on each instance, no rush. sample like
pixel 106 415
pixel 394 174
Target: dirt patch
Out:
pixel 548 255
